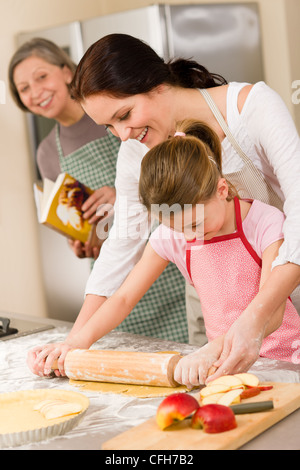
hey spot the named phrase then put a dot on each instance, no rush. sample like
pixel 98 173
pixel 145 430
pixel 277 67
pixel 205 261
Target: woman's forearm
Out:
pixel 269 304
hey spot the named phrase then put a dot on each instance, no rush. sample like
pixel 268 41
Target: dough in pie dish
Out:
pixel 57 408
pixel 22 422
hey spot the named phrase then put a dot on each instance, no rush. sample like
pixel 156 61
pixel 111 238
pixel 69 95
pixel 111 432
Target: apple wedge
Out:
pixel 229 380
pixel 217 388
pixel 248 379
pixel 231 397
pixel 175 407
pixel 210 399
pixel 214 418
pixel 262 388
pixel 250 392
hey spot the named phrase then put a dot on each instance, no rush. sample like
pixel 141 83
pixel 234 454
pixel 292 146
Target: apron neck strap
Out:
pixel 238 216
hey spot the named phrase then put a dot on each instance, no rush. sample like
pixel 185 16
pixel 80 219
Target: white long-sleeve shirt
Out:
pixel 265 131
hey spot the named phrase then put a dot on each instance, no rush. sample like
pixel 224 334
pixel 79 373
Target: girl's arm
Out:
pixel 99 316
pixel 264 315
pixel 115 309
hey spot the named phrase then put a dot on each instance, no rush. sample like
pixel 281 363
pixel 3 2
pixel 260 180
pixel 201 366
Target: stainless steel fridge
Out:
pixel 225 38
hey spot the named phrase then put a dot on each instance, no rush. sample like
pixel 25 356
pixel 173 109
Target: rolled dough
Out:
pixel 138 391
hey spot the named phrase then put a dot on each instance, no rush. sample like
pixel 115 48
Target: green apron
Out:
pixel 161 313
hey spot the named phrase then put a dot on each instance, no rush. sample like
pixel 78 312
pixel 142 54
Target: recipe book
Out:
pixel 59 206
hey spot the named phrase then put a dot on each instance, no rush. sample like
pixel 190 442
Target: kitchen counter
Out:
pixel 108 414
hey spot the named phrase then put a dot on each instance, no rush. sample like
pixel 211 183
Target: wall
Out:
pixel 21 275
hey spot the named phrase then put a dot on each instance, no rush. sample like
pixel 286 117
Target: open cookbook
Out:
pixel 59 206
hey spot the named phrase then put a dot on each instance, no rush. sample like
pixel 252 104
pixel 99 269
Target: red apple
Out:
pixel 214 418
pixel 174 408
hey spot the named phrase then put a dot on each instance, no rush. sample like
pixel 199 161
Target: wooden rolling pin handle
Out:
pixel 171 368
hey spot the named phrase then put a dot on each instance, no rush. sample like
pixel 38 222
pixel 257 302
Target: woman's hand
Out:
pixel 241 347
pixel 40 359
pixel 99 204
pixel 193 369
pixel 90 249
pixel 98 207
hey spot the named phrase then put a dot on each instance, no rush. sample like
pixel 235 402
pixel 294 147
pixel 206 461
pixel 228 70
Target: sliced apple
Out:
pixel 233 396
pixel 242 386
pixel 175 407
pixel 209 399
pixel 214 418
pixel 262 388
pixel 217 388
pixel 248 379
pixel 229 380
pixel 250 392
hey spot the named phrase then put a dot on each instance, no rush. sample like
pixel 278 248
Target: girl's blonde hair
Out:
pixel 42 48
pixel 183 169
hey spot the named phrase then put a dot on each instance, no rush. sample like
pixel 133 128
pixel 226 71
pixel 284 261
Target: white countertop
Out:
pixel 108 414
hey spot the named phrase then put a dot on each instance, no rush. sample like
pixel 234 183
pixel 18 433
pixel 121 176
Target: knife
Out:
pixel 254 407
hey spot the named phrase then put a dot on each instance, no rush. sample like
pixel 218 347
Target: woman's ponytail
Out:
pixel 190 74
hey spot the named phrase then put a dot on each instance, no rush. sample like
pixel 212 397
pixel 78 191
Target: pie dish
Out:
pixel 21 423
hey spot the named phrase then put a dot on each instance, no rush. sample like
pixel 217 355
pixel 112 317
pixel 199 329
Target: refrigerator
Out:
pixel 225 38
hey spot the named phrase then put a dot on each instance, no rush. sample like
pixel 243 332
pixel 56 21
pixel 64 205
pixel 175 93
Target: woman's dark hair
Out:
pixel 122 65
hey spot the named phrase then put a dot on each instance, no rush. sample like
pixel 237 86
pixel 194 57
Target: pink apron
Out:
pixel 226 273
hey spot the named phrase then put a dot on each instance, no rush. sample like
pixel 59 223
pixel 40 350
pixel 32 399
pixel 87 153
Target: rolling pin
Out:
pixel 127 367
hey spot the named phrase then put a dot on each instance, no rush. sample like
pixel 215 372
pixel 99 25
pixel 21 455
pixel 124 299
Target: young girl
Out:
pixel 225 251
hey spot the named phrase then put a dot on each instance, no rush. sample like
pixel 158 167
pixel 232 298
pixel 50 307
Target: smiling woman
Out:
pixel 48 53
pixel 133 117
pixel 40 74
pixel 39 85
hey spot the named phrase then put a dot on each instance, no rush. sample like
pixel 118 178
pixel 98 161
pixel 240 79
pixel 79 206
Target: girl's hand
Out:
pixel 193 369
pixel 40 359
